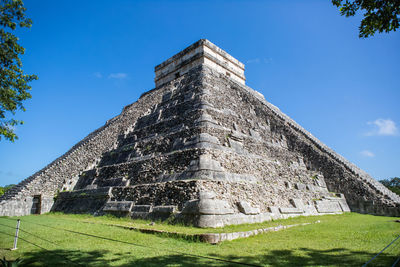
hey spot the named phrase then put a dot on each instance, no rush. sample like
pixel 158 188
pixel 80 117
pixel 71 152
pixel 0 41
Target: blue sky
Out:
pixel 95 57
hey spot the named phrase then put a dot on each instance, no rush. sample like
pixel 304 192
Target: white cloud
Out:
pixel 257 60
pixel 119 75
pixel 367 153
pixel 254 60
pixel 268 60
pixel 383 127
pixel 97 75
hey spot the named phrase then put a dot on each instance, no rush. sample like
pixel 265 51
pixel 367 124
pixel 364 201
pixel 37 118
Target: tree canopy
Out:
pixel 379 15
pixel 14 88
pixel 4 189
pixel 392 184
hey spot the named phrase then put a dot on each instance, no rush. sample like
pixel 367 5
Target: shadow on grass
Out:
pixel 314 257
pixel 64 258
pixel 299 257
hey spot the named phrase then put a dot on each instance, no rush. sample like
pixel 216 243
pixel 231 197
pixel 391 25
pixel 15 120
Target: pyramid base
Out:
pixel 188 202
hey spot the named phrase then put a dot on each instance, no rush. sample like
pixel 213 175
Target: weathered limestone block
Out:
pixel 274 210
pixel 236 145
pixel 142 208
pixel 326 206
pixel 205 221
pixel 206 118
pixel 310 209
pixel 214 207
pixel 245 208
pixel 229 112
pixel 290 210
pixel 320 181
pixel 123 206
pixel 297 203
pixel 311 187
pixel 191 207
pixel 255 134
pixel 205 162
pixel 288 185
pixel 164 209
pixel 343 205
pixel 205 137
pixel 274 213
pixel 207 205
pixel 300 186
pixel 141 211
pixel 227 219
pixel 341 200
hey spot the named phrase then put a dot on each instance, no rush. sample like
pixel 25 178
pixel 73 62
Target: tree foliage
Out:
pixel 14 88
pixel 4 189
pixel 379 15
pixel 392 184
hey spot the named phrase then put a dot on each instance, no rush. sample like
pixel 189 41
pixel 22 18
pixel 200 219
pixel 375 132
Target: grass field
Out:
pixel 69 240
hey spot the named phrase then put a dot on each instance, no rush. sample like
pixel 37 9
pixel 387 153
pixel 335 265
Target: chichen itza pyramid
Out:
pixel 201 148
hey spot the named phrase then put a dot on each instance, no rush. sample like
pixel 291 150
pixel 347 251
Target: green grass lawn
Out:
pixel 68 240
pixel 177 228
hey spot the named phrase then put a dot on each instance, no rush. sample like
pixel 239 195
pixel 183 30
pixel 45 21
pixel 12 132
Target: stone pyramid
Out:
pixel 205 149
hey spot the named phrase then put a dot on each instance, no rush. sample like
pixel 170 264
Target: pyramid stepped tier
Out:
pixel 202 148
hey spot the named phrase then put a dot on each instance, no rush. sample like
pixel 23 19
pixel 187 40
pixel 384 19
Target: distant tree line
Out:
pixel 4 189
pixel 393 184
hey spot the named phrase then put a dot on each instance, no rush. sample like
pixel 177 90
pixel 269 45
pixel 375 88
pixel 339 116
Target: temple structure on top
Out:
pixel 203 52
pixel 201 148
